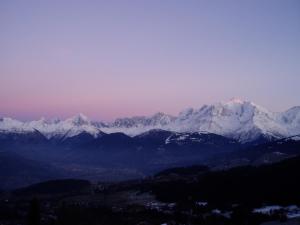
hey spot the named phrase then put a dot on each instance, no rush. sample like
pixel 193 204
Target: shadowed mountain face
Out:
pixel 118 148
pixel 30 138
pixel 17 171
pixel 259 154
pixel 117 156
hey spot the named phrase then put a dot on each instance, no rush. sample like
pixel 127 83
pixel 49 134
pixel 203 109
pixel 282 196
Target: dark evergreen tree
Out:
pixel 34 217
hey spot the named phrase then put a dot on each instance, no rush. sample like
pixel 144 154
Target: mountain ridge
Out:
pixel 241 120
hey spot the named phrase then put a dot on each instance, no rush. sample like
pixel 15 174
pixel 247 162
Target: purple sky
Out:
pixel 108 59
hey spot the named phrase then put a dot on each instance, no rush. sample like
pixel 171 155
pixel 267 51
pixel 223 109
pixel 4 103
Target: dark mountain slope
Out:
pixel 266 153
pixel 272 184
pixel 16 171
pixel 54 187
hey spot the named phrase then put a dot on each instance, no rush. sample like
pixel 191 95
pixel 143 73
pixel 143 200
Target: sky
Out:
pixel 111 59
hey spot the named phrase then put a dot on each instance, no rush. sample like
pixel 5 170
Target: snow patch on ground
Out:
pixel 291 211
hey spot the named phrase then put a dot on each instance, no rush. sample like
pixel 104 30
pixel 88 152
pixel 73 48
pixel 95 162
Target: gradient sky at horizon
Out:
pixel 110 59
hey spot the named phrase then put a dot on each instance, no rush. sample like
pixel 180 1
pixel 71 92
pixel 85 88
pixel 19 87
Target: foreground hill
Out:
pixel 55 187
pixel 189 195
pixel 270 184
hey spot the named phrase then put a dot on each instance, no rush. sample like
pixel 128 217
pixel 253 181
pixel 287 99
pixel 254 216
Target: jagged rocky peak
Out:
pixel 184 114
pixel 127 122
pixel 79 120
pixel 291 115
pixel 158 119
pixel 161 119
pixel 54 120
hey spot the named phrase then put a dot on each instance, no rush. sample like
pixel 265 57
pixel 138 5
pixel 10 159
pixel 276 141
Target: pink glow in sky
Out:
pixel 110 59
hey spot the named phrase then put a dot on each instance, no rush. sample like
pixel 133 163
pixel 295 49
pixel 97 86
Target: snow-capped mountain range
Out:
pixel 241 120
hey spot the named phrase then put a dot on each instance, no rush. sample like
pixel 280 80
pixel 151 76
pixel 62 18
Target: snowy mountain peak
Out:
pixel 186 113
pixel 54 120
pixel 11 125
pixel 161 119
pixel 238 119
pixel 236 100
pixel 42 119
pixel 79 120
